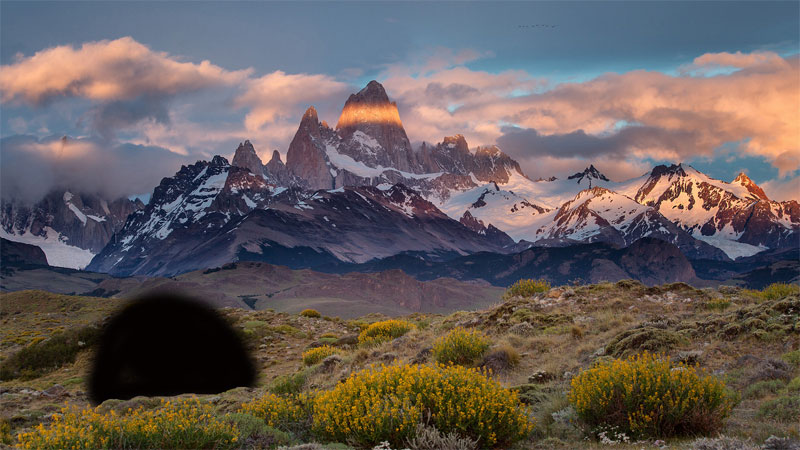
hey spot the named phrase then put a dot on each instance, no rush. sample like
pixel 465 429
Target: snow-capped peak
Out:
pixel 754 190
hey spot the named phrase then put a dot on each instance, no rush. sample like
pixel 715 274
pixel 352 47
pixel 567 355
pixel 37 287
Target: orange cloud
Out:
pixel 758 104
pixel 279 97
pixel 782 189
pixel 122 69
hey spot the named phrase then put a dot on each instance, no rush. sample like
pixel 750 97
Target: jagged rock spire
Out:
pixel 246 157
pixel 370 116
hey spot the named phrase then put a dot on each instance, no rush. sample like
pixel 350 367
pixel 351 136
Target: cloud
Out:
pixel 128 80
pixel 737 60
pixel 782 189
pixel 551 128
pixel 642 114
pixel 616 169
pixel 32 167
pixel 122 69
pixel 455 100
pixel 280 96
pixel 629 141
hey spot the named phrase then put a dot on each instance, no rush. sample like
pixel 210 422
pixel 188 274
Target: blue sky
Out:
pixel 536 65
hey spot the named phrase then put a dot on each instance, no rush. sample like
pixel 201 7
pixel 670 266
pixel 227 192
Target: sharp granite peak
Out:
pixel 370 147
pixel 246 157
pixel 359 192
pixel 588 174
pixel 751 186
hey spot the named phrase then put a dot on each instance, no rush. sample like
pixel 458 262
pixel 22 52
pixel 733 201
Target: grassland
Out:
pixel 749 339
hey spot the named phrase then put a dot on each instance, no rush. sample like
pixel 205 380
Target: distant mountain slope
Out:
pixel 69 227
pixel 649 260
pixel 13 254
pixel 262 286
pixel 737 217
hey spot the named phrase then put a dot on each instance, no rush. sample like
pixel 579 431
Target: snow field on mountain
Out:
pixel 57 251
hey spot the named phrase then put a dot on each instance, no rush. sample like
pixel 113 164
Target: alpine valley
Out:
pixel 360 198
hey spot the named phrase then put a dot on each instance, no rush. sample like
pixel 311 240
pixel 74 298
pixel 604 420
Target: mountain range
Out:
pixel 357 194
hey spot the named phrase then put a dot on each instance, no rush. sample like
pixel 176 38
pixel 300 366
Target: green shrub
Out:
pixel 429 438
pixel 782 409
pixel 254 433
pixel 794 385
pixel 290 330
pixel 173 425
pixel 310 313
pixel 648 396
pixel 460 346
pixel 41 357
pixel 5 432
pixel 328 341
pixel 289 384
pixel 636 340
pixel 762 388
pixel 384 331
pixel 775 291
pixel 315 355
pixel 386 404
pixel 501 359
pixel 792 357
pixel 718 304
pixel 526 288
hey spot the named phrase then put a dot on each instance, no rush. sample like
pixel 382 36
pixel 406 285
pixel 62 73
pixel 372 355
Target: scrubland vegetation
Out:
pixel 550 367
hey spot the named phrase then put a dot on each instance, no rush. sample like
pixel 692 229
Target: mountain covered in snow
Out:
pixel 212 213
pixel 360 192
pixel 69 227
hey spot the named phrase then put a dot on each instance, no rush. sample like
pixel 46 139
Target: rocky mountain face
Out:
pixel 372 133
pixel 453 156
pixel 212 213
pixel 15 254
pixel 360 192
pixel 601 215
pixel 68 226
pixel 369 147
pixel 589 174
pixel 247 158
pixel 716 211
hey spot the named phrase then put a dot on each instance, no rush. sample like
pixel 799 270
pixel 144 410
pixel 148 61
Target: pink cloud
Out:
pixel 758 104
pixel 122 69
pixel 782 189
pixel 279 96
pixel 739 60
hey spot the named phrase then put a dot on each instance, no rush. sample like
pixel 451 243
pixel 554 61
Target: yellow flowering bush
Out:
pixel 646 395
pixel 387 403
pixel 383 331
pixel 526 288
pixel 778 290
pixel 173 425
pixel 460 346
pixel 310 313
pixel 315 355
pixel 281 412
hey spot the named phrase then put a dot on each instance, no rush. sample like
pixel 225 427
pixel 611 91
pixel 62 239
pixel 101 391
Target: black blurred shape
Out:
pixel 164 345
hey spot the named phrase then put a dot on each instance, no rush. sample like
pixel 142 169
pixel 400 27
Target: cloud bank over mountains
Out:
pixel 139 107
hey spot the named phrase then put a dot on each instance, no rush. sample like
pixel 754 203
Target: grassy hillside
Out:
pixel 534 342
